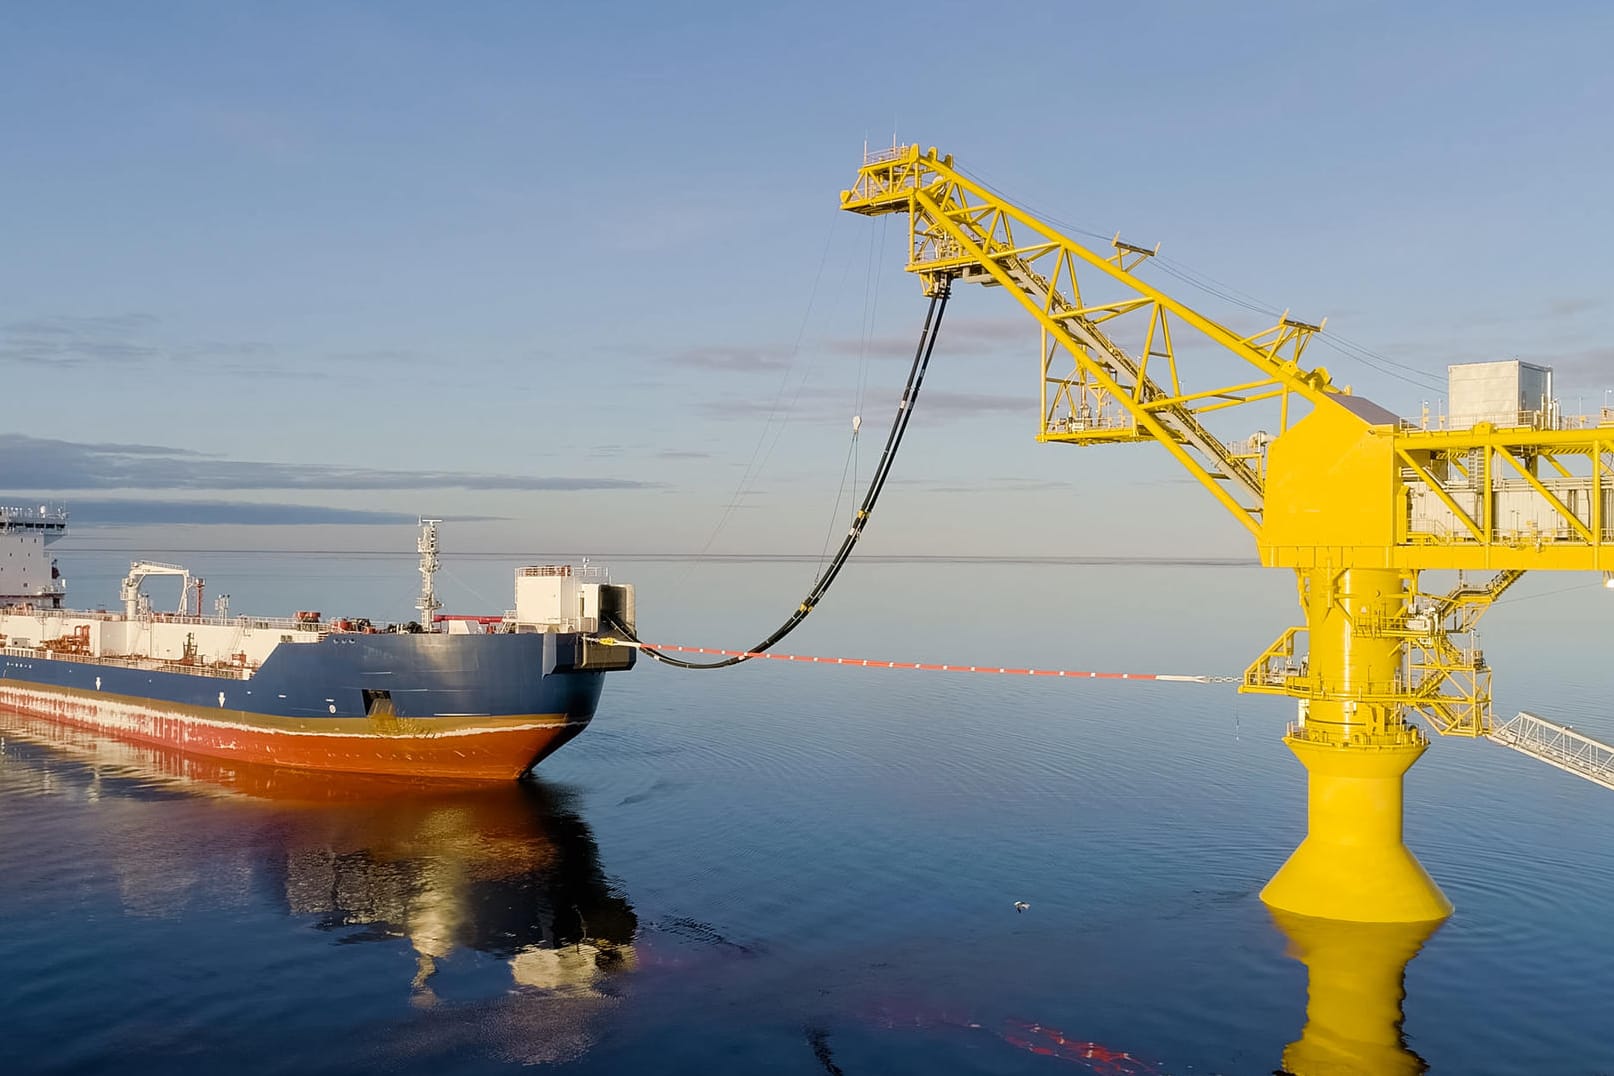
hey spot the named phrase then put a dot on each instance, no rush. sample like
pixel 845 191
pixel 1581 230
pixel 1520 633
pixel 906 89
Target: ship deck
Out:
pixel 225 671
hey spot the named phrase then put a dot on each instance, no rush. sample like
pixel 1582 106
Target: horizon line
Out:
pixel 1008 558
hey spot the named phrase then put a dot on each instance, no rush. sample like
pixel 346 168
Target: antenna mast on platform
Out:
pixel 427 547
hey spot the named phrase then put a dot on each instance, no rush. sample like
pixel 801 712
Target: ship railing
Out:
pixel 1605 417
pixel 880 156
pixel 261 622
pixel 50 512
pixel 265 622
pixel 225 671
pixel 575 571
pixel 569 625
pixel 54 525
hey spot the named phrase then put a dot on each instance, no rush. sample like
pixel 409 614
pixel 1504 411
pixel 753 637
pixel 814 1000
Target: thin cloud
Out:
pixel 115 512
pixel 380 356
pixel 744 407
pixel 1569 307
pixel 816 404
pixel 1592 364
pixel 967 404
pixel 683 454
pixel 69 326
pixel 992 485
pixel 71 341
pixel 78 341
pixel 110 448
pixel 962 334
pixel 40 464
pixel 733 360
pixel 233 356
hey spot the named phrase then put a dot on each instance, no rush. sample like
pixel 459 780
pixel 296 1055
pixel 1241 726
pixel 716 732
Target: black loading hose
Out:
pixel 899 426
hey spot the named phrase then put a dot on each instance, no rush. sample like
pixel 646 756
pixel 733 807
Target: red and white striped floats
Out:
pixel 870 663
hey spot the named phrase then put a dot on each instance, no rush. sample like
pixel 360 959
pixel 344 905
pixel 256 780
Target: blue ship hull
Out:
pixel 443 705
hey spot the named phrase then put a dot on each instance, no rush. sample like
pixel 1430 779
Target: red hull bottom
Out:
pixel 465 749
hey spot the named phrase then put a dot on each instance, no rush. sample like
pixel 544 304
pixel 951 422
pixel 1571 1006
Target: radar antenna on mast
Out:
pixel 426 545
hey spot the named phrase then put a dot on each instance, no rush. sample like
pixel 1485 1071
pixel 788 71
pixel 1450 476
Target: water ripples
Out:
pixel 784 848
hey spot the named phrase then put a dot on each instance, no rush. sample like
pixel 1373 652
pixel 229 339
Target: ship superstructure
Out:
pixel 475 697
pixel 28 574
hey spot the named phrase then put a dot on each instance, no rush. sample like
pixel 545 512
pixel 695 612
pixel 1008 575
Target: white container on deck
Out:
pixel 1506 394
pixel 558 598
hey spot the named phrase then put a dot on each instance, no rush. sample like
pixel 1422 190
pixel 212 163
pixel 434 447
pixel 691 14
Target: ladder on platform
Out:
pixel 1558 745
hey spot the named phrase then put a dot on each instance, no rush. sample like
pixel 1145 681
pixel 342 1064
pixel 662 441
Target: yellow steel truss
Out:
pixel 960 230
pixel 1357 501
pixel 1106 393
pixel 1446 677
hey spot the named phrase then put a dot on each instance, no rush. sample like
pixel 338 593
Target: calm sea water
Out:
pixel 792 869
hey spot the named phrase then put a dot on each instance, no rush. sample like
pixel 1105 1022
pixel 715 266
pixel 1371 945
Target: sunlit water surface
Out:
pixel 793 869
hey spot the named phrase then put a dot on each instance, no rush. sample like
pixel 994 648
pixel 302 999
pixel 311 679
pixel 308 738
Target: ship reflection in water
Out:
pixel 508 872
pixel 517 946
pixel 1356 984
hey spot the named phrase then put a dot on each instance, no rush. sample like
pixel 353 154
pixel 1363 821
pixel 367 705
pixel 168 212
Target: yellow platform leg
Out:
pixel 1355 746
pixel 1356 983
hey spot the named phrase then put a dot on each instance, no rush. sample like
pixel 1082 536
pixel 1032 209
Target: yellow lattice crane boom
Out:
pixel 1355 500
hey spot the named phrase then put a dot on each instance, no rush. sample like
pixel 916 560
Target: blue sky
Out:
pixel 575 273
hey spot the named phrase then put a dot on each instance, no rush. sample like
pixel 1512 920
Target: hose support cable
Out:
pixel 899 426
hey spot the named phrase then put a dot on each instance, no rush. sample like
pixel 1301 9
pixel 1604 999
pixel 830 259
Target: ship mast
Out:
pixel 426 545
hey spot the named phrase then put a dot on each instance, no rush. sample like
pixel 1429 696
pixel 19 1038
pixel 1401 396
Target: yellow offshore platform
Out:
pixel 1356 501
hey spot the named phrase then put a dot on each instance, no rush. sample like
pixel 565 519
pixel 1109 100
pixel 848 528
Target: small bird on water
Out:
pixel 1020 905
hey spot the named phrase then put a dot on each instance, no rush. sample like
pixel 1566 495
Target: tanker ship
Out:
pixel 457 697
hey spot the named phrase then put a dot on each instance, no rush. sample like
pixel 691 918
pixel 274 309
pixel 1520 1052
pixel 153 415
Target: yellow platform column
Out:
pixel 1356 975
pixel 1355 746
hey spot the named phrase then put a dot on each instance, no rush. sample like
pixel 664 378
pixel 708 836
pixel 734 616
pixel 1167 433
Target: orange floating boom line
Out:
pixel 871 663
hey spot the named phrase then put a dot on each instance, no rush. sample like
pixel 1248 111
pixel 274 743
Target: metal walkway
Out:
pixel 1558 745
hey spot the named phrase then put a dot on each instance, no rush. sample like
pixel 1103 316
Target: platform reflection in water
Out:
pixel 1355 988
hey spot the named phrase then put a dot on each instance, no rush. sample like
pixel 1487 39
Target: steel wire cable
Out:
pixel 778 412
pixel 834 513
pixel 893 441
pixel 1413 376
